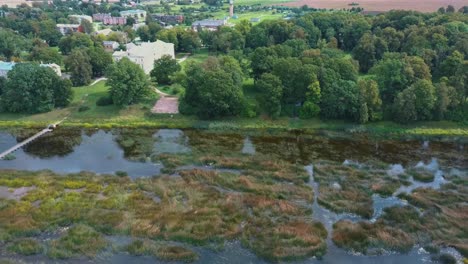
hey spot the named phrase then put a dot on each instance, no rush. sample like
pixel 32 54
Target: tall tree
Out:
pixel 369 95
pixel 271 93
pixel 79 65
pixel 100 60
pixel 128 83
pixel 164 68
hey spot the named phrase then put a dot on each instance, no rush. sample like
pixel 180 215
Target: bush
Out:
pixel 250 109
pixel 26 247
pixel 121 173
pixel 103 101
pixel 83 108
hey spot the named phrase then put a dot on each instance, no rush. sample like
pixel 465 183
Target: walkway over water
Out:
pixel 46 130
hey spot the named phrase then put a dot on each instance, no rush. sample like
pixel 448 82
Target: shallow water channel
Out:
pixel 106 152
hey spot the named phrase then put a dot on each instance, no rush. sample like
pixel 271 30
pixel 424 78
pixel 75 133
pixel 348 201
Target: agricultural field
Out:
pixel 381 5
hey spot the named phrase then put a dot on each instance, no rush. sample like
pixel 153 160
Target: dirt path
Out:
pixel 98 80
pixel 183 58
pixel 166 105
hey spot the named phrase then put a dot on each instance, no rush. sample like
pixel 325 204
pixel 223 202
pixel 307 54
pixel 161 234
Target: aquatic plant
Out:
pixel 80 240
pixel 26 247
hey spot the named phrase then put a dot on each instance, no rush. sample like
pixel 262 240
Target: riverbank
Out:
pixel 422 129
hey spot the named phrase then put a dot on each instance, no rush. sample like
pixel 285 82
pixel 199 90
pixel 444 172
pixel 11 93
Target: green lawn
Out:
pixel 85 96
pixel 198 57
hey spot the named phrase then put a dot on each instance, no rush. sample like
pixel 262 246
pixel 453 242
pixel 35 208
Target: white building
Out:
pixel 146 53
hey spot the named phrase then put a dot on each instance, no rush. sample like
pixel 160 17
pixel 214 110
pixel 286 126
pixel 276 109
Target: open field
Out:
pixel 382 5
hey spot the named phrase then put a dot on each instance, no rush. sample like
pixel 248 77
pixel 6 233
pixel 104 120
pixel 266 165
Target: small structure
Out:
pixel 255 19
pixel 69 28
pixel 110 46
pixel 80 18
pixel 137 14
pixel 146 53
pixel 209 24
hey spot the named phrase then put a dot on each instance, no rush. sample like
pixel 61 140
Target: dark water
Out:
pixel 68 151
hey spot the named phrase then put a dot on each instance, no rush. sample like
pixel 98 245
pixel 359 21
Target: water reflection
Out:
pixel 98 153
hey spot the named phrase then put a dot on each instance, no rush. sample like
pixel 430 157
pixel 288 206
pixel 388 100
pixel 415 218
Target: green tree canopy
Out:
pixel 128 82
pixel 31 88
pixel 213 89
pixel 270 91
pixel 164 68
pixel 79 65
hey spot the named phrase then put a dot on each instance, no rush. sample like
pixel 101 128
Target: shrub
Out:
pixel 121 173
pixel 103 101
pixel 83 108
pixel 26 247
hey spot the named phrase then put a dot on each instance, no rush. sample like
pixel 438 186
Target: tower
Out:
pixel 231 8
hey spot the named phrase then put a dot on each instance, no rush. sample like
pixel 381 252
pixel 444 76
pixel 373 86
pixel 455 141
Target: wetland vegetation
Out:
pixel 275 193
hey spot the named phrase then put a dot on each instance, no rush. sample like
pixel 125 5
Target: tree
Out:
pixel 450 9
pixel 49 32
pixel 45 55
pixel 445 98
pixel 340 100
pixel 11 44
pixel 164 68
pixel 271 93
pixel 31 88
pixel 73 41
pixel 370 97
pixel 100 60
pixel 295 77
pixel 311 108
pixel 213 89
pixel 128 82
pixel 415 103
pixel 87 26
pixel 79 65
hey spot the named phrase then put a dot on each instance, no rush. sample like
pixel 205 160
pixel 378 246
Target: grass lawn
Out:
pixel 198 57
pixel 85 96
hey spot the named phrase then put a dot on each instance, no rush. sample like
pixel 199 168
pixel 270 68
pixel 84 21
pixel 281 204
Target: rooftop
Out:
pixel 6 66
pixel 209 23
pixel 136 11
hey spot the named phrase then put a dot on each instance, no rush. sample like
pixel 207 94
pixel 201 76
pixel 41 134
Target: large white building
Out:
pixel 146 53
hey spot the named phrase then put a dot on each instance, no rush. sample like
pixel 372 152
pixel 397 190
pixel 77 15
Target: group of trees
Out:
pixel 402 65
pixel 31 88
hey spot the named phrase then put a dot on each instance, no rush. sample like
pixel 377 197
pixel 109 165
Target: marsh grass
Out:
pixel 26 247
pixel 161 251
